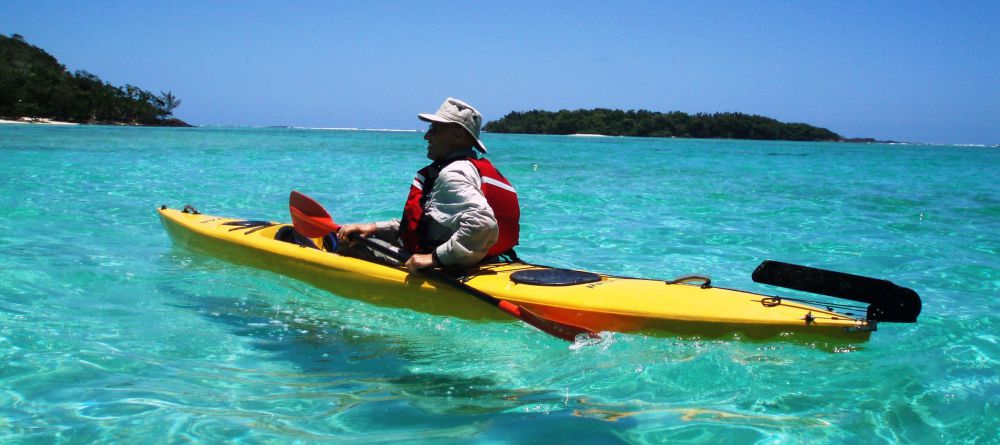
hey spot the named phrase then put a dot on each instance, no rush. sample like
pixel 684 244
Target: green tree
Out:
pixel 35 84
pixel 648 123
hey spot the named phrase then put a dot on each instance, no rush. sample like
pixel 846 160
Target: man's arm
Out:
pixel 384 230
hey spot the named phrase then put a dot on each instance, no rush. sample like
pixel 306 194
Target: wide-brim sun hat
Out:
pixel 454 111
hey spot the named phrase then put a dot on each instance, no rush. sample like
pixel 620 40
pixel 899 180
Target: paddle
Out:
pixel 888 302
pixel 312 220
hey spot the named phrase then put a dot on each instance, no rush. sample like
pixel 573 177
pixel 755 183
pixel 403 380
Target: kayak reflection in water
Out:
pixel 460 210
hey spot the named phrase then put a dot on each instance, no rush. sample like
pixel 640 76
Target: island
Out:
pixel 35 87
pixel 643 123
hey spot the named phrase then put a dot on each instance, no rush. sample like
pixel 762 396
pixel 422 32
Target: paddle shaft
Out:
pixel 311 219
pixel 562 330
pixel 432 273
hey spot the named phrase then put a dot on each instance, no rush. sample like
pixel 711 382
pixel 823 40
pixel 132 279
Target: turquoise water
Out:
pixel 109 334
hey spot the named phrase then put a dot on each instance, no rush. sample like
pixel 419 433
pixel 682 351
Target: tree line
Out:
pixel 34 84
pixel 655 124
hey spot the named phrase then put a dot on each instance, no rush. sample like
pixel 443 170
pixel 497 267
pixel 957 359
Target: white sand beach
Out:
pixel 30 120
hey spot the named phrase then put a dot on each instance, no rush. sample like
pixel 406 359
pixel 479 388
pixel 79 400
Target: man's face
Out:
pixel 442 139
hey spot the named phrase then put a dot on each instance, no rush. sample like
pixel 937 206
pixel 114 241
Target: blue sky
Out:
pixel 910 70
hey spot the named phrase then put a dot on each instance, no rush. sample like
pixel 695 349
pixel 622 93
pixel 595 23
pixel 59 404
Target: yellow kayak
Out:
pixel 690 306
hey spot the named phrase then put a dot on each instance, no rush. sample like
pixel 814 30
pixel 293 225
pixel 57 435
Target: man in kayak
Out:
pixel 470 213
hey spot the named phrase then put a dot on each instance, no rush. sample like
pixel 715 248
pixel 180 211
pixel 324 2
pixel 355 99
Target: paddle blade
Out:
pixel 312 226
pixel 564 331
pixel 309 217
pixel 889 302
pixel 307 205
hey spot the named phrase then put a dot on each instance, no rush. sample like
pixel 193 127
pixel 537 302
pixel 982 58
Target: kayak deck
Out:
pixel 610 303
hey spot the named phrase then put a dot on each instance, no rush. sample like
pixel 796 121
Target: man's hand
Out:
pixel 363 230
pixel 419 261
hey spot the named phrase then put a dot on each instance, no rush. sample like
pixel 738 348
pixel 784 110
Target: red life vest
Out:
pixel 500 195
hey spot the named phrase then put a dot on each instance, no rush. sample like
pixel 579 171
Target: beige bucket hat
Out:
pixel 454 111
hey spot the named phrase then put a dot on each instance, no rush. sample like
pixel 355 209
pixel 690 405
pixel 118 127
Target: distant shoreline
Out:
pixel 51 122
pixel 645 123
pixel 173 122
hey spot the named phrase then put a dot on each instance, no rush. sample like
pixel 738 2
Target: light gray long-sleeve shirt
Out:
pixel 462 220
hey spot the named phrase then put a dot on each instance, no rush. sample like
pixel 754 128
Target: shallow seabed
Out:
pixel 109 334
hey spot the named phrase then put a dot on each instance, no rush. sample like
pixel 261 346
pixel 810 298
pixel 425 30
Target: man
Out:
pixel 460 209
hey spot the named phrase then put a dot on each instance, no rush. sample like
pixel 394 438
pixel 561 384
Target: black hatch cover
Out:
pixel 554 277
